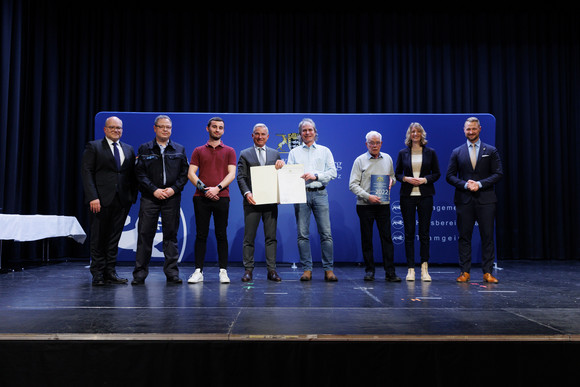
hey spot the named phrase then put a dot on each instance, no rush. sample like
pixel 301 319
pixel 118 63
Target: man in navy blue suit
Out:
pixel 108 173
pixel 474 169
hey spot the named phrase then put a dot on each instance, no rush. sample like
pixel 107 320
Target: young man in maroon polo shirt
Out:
pixel 211 170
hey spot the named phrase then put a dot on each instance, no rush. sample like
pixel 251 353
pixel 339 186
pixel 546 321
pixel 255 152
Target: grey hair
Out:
pixel 307 121
pixel 373 133
pixel 260 125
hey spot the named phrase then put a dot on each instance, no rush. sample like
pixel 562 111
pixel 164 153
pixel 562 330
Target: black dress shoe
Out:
pixel 113 278
pixel 392 277
pixel 174 280
pixel 98 280
pixel 138 282
pixel 369 276
pixel 273 276
pixel 247 277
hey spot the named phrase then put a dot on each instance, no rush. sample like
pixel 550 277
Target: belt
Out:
pixel 315 189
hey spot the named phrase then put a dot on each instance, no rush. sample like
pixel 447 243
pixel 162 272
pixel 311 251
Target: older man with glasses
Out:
pixel 371 179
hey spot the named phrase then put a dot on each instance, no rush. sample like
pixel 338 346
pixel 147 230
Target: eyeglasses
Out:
pixel 115 127
pixel 164 126
pixel 372 143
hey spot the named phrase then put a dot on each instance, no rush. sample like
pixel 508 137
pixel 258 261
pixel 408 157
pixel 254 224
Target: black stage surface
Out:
pixel 57 329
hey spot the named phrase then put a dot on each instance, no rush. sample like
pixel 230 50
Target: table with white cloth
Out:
pixel 24 228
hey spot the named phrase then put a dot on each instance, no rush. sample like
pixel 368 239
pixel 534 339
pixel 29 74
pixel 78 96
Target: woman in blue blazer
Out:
pixel 417 168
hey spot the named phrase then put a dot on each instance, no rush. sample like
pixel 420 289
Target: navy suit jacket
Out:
pixel 488 171
pixel 101 179
pixel 247 159
pixel 429 170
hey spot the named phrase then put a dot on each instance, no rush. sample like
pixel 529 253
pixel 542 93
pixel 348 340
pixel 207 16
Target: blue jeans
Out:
pixel 317 204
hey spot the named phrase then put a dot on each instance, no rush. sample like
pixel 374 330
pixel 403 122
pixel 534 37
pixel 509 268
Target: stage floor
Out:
pixel 533 301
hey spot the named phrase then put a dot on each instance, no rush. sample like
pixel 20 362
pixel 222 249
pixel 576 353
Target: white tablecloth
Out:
pixel 35 227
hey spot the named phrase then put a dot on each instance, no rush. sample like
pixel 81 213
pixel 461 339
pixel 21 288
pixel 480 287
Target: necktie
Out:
pixel 473 156
pixel 117 156
pixel 262 153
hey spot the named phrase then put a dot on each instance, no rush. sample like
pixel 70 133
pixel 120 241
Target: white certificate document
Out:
pixel 283 186
pixel 264 184
pixel 291 187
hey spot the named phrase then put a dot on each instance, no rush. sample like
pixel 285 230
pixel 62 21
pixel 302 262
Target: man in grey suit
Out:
pixel 108 173
pixel 256 155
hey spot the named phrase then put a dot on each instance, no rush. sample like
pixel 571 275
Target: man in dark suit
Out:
pixel 256 155
pixel 474 169
pixel 108 173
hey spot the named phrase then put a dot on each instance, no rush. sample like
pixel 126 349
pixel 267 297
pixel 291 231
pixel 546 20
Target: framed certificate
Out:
pixel 380 187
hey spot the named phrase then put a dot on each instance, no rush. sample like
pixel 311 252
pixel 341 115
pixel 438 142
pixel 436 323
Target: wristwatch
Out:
pixel 220 187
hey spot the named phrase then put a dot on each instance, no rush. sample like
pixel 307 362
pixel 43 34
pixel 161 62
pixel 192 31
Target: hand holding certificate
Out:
pixel 291 186
pixel 380 186
pixel 282 186
pixel 264 184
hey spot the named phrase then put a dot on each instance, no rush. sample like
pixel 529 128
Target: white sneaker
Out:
pixel 196 277
pixel 410 274
pixel 224 279
pixel 425 277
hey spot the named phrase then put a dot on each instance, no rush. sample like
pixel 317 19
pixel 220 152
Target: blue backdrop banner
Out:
pixel 344 134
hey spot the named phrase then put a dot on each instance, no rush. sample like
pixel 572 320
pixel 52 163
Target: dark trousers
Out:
pixel 484 215
pixel 149 213
pixel 106 228
pixel 204 208
pixel 423 207
pixel 268 213
pixel 368 214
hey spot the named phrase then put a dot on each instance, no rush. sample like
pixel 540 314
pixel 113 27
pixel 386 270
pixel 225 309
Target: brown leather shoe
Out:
pixel 307 276
pixel 329 276
pixel 247 277
pixel 464 277
pixel 273 276
pixel 487 277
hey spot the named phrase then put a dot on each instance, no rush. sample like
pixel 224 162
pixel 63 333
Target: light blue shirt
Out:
pixel 317 159
pixel 477 146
